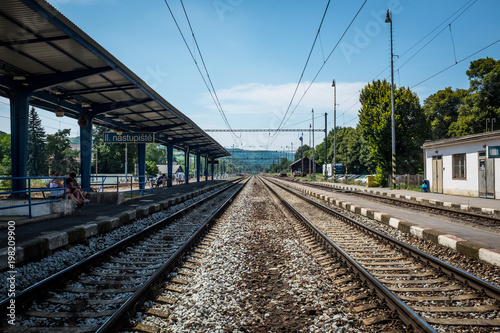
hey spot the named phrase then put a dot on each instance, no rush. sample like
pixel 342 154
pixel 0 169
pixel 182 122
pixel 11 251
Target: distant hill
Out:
pixel 257 159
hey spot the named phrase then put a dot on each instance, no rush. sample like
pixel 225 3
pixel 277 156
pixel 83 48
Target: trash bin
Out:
pixel 425 185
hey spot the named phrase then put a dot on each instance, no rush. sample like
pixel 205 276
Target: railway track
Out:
pixel 96 294
pixel 484 221
pixel 428 294
pixel 259 270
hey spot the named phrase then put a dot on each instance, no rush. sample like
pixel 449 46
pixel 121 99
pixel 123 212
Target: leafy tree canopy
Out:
pixel 37 159
pixel 63 158
pixel 411 127
pixel 441 109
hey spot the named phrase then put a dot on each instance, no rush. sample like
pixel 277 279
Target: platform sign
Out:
pixel 493 151
pixel 112 137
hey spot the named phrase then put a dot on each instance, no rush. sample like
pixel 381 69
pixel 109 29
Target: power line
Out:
pixel 473 54
pixel 212 94
pixel 305 66
pixel 443 29
pixel 324 63
pixel 468 5
pixel 430 33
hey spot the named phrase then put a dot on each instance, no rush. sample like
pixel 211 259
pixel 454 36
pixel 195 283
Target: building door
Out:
pixel 486 176
pixel 437 174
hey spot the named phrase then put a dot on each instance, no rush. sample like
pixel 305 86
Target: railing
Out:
pixel 33 190
pixel 410 182
pixel 120 182
pixel 36 191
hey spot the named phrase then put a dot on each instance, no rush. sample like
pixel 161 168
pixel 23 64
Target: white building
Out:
pixel 464 165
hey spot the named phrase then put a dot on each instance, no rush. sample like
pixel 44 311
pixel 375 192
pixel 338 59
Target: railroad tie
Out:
pixel 146 328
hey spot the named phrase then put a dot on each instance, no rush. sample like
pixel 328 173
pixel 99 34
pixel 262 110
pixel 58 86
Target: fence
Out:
pixel 409 181
pixel 36 191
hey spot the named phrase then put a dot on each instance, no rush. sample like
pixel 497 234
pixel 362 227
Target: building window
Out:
pixel 459 166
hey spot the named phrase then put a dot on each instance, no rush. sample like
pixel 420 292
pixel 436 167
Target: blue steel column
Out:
pixel 86 155
pixel 186 165
pixel 170 162
pixel 19 106
pixel 141 151
pixel 198 167
pixel 213 167
pixel 206 168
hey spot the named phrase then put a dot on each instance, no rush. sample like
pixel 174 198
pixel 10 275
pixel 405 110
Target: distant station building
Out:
pixel 464 165
pixel 306 167
pixel 177 170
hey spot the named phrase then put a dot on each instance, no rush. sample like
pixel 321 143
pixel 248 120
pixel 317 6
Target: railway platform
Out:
pixel 475 242
pixel 475 204
pixel 37 238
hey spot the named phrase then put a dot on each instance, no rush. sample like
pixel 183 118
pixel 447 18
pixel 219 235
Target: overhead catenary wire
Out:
pixel 453 16
pixel 208 84
pixel 320 69
pixel 443 29
pixel 305 66
pixel 324 63
pixel 461 60
pixel 468 5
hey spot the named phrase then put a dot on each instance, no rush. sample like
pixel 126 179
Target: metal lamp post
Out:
pixel 388 19
pixel 334 131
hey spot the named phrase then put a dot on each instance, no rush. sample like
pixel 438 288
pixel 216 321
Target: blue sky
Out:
pixel 255 52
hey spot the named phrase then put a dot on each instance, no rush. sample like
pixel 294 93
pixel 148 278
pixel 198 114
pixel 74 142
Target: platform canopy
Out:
pixel 44 53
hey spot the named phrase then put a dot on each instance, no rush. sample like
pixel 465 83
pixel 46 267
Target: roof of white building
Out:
pixel 486 136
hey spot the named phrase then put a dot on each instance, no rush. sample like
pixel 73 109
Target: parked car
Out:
pixel 361 179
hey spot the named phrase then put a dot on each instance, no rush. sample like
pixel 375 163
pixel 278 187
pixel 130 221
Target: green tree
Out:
pixel 301 152
pixel 5 155
pixel 478 70
pixel 156 153
pixel 152 168
pixel 349 142
pixel 37 158
pixel 441 110
pixel 63 158
pixel 483 100
pixel 111 156
pixel 411 127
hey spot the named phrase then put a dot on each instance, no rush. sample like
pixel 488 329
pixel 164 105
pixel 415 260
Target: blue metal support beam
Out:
pixel 186 165
pixel 48 80
pixel 141 151
pixel 198 167
pixel 19 108
pixel 106 107
pixel 206 168
pixel 86 154
pixel 213 166
pixel 170 162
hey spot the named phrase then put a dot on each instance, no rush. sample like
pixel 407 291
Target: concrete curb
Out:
pixel 422 200
pixel 43 246
pixel 471 249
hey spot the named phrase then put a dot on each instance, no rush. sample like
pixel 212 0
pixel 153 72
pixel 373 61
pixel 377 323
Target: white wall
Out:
pixel 470 185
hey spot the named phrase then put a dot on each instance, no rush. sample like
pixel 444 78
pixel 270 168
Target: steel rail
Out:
pixel 405 313
pixel 473 281
pixel 413 204
pixel 117 320
pixel 42 287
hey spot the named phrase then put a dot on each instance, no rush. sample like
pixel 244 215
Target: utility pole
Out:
pixel 313 166
pixel 334 130
pixel 388 19
pixel 302 154
pixel 326 148
pixel 310 147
